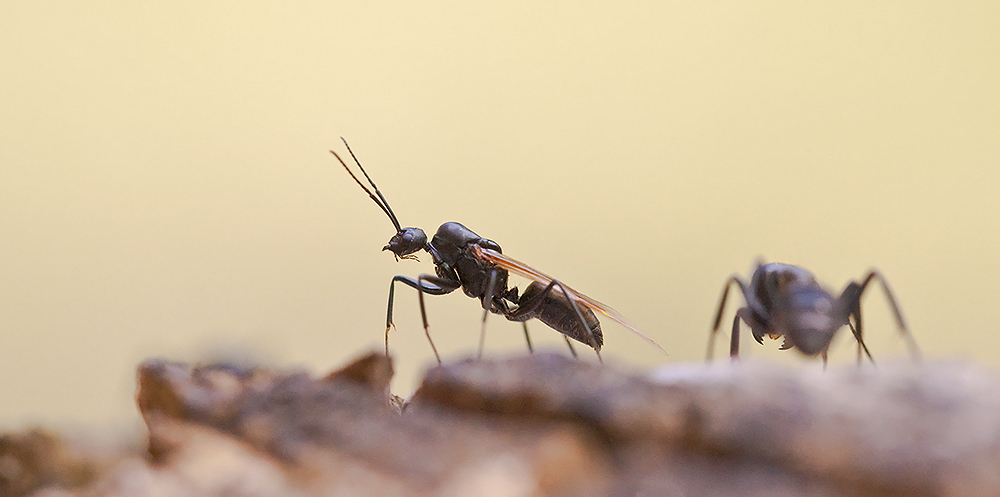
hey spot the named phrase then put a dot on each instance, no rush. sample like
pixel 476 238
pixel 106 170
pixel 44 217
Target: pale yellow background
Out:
pixel 166 190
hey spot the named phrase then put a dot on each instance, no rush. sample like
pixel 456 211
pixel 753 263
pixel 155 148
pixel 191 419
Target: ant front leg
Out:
pixel 443 283
pixel 734 339
pixel 851 297
pixel 433 286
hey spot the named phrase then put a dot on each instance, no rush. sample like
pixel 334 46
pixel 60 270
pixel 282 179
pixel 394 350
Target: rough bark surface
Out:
pixel 542 425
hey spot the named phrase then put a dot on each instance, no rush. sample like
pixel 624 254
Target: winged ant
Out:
pixel 786 301
pixel 463 259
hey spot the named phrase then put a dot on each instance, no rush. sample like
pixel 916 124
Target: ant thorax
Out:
pixel 779 276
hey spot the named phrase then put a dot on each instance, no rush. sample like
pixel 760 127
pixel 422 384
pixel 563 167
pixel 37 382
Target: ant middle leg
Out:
pixel 494 300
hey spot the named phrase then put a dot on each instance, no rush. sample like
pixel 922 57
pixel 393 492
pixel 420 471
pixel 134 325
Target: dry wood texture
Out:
pixel 541 425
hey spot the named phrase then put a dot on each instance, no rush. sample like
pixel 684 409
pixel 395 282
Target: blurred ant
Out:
pixel 785 301
pixel 463 259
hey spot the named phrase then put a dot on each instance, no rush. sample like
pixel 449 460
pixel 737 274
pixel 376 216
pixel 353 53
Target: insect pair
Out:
pixel 785 301
pixel 463 259
pixel 781 300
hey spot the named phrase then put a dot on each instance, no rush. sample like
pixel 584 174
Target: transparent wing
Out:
pixel 531 273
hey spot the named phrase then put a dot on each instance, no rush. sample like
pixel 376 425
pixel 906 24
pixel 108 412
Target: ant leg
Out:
pixel 824 360
pixel 434 286
pixel 527 338
pixel 511 295
pixel 858 334
pixel 571 349
pixel 579 315
pixel 428 288
pixel 528 306
pixel 482 337
pixel 733 280
pixel 487 304
pixel 443 283
pixel 852 296
pixel 734 339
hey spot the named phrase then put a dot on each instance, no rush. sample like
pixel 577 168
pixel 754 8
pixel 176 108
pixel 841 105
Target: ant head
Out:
pixel 406 241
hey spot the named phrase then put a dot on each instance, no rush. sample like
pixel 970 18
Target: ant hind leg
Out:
pixel 530 303
pixel 852 297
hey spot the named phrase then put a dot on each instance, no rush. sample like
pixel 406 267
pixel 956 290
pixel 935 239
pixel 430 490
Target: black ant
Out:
pixel 463 259
pixel 785 301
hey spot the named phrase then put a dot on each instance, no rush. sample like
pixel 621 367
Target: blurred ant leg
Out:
pixel 447 286
pixel 526 307
pixel 527 337
pixel 852 295
pixel 570 345
pixel 718 314
pixel 444 286
pixel 858 335
pixel 491 292
pixel 823 354
pixel 734 339
pixel 579 315
pixel 531 350
pixel 858 332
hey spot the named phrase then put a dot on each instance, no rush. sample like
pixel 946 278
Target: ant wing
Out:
pixel 531 273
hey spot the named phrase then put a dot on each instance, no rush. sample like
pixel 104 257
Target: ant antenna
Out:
pixel 384 204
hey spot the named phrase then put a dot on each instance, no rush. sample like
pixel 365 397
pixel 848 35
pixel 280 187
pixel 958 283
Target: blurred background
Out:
pixel 166 188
